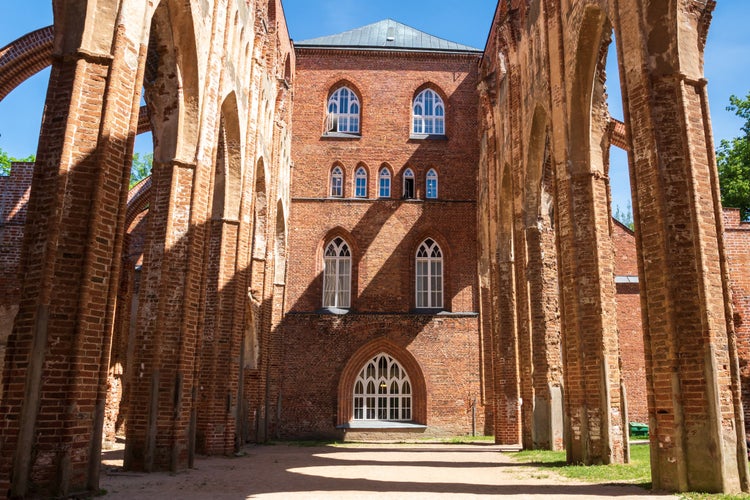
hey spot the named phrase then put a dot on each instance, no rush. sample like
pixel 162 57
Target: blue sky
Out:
pixel 465 21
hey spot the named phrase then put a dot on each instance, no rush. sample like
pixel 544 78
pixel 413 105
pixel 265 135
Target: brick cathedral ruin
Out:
pixel 368 234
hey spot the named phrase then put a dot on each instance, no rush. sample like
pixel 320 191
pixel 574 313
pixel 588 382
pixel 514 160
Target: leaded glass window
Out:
pixel 384 183
pixel 428 111
pixel 337 268
pixel 429 285
pixel 343 112
pixel 360 183
pixel 382 391
pixel 432 184
pixel 337 182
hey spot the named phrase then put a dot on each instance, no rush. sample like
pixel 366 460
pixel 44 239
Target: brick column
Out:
pixel 545 323
pixel 58 353
pixel 695 411
pixel 695 415
pixel 221 343
pixel 595 425
pixel 159 432
pixel 507 390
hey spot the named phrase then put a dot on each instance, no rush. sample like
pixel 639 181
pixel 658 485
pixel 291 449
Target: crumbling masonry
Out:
pixel 159 313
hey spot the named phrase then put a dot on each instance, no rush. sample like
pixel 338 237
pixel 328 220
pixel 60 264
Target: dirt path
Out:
pixel 421 471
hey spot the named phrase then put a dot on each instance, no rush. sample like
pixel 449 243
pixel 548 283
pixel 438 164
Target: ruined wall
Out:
pixel 14 197
pixel 547 59
pixel 629 324
pixel 737 243
pixel 233 71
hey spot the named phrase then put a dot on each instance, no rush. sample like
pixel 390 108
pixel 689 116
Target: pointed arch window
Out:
pixel 432 184
pixel 337 272
pixel 429 276
pixel 408 184
pixel 343 112
pixel 337 182
pixel 384 183
pixel 429 114
pixel 383 391
pixel 360 183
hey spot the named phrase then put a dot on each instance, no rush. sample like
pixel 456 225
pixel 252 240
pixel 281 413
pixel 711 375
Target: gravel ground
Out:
pixel 372 471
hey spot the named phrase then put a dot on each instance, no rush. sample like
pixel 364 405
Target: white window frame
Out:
pixel 337 274
pixel 344 120
pixel 429 276
pixel 428 114
pixel 384 183
pixel 337 182
pixel 408 175
pixel 383 392
pixel 360 183
pixel 431 184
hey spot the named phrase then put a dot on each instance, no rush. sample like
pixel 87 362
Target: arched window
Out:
pixel 337 182
pixel 384 186
pixel 432 184
pixel 408 183
pixel 337 272
pixel 360 183
pixel 343 112
pixel 382 391
pixel 429 286
pixel 429 114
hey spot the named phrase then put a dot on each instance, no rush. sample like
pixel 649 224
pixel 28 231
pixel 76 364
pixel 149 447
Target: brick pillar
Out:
pixel 221 343
pixel 507 390
pixel 526 348
pixel 545 323
pixel 695 412
pixel 159 432
pixel 595 424
pixel 57 360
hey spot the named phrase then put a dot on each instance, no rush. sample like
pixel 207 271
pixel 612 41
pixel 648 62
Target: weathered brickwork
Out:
pixel 78 261
pixel 629 324
pixel 187 313
pixel 545 64
pixel 384 235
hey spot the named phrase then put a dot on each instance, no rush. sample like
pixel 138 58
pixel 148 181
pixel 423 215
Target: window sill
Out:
pixel 341 135
pixel 337 311
pixel 428 137
pixel 380 424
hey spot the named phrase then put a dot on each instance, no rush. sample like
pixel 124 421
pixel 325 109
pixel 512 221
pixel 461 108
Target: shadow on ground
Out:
pixel 364 471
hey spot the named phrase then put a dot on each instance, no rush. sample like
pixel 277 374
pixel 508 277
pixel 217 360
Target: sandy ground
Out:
pixel 355 471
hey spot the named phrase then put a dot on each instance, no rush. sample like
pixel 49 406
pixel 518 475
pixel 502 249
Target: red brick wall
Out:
pixel 317 348
pixel 737 245
pixel 629 323
pixel 384 235
pixel 14 197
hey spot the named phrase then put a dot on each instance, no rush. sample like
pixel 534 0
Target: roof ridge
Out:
pixel 384 34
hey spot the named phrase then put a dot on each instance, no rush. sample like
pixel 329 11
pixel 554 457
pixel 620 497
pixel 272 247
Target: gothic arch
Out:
pixel 280 245
pixel 362 356
pixel 228 175
pixel 260 212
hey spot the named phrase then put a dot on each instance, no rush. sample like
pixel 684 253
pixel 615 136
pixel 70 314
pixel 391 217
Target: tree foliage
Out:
pixel 141 167
pixel 733 159
pixel 625 216
pixel 6 160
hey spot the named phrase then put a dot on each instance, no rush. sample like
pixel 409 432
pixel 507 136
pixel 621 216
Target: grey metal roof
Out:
pixel 386 35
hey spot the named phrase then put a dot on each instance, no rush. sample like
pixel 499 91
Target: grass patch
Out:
pixel 468 439
pixel 712 496
pixel 637 472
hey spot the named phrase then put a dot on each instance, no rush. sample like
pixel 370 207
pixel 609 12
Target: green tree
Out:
pixel 733 160
pixel 625 216
pixel 6 160
pixel 141 167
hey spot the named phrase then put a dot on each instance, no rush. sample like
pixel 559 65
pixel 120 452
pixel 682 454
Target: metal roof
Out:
pixel 386 35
